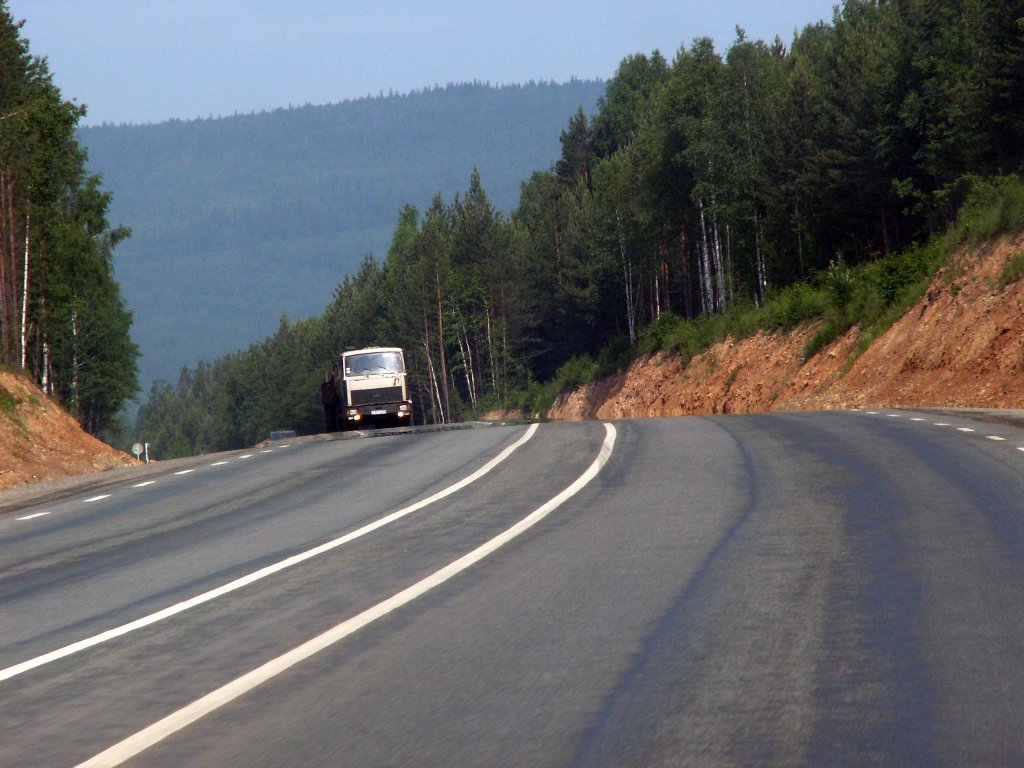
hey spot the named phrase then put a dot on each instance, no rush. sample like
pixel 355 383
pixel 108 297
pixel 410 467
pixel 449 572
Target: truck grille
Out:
pixel 372 396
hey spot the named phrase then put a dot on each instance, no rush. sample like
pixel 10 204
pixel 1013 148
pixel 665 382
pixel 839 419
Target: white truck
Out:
pixel 367 387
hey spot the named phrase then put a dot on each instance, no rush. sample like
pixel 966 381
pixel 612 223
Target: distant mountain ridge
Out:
pixel 239 219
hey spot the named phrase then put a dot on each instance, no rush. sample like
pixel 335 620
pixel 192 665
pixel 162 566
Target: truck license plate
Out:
pixel 378 413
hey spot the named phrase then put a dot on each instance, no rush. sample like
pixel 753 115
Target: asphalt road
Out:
pixel 806 589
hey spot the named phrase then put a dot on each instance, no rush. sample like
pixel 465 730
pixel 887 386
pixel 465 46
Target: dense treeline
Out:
pixel 702 184
pixel 62 320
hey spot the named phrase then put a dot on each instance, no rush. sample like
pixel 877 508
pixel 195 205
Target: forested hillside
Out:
pixel 703 193
pixel 62 320
pixel 238 220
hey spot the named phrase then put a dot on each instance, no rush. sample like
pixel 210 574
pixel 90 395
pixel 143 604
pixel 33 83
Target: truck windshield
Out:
pixel 374 362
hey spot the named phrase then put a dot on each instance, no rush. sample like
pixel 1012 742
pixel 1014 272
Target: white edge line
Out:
pixel 33 516
pixel 262 573
pixel 190 713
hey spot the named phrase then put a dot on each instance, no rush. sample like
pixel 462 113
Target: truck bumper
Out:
pixel 400 412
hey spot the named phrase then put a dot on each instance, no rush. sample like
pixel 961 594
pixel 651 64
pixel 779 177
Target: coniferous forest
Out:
pixel 708 183
pixel 62 320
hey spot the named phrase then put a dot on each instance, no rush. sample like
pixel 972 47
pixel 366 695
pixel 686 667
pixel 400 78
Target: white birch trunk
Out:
pixel 74 359
pixel 490 350
pixel 435 392
pixel 627 273
pixel 466 365
pixel 24 298
pixel 705 263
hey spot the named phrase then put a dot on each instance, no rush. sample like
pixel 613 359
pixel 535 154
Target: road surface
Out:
pixel 821 589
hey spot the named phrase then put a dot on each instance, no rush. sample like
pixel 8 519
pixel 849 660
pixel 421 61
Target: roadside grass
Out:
pixel 9 408
pixel 8 402
pixel 1013 270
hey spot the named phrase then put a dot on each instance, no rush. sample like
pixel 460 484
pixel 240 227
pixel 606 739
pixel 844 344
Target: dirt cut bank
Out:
pixel 962 345
pixel 39 441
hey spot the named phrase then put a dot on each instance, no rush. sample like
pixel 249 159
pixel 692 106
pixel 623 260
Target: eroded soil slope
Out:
pixel 961 346
pixel 39 441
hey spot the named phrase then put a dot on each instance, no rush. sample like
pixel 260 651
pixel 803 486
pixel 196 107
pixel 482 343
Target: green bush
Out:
pixel 8 402
pixel 615 357
pixel 794 305
pixel 1013 270
pixel 993 207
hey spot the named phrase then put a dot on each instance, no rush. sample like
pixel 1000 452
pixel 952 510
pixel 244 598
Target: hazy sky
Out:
pixel 149 60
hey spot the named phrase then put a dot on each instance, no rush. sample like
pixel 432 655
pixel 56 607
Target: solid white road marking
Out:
pixel 143 485
pixel 133 745
pixel 184 471
pixel 29 517
pixel 97 498
pixel 205 597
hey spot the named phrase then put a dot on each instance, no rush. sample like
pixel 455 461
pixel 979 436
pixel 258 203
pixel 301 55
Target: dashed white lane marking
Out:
pixel 30 517
pixel 246 456
pixel 218 464
pixel 205 597
pixel 143 485
pixel 133 745
pixel 996 438
pixel 269 450
pixel 97 498
pixel 184 471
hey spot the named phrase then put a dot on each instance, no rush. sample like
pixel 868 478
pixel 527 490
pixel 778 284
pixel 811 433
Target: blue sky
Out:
pixel 145 61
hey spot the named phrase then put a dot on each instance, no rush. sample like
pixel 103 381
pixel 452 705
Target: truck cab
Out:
pixel 368 387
